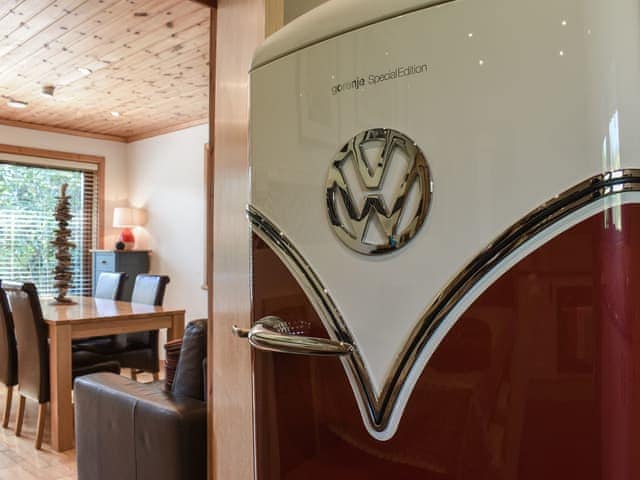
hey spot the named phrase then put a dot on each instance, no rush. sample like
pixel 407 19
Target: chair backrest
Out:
pixel 31 337
pixel 149 289
pixel 189 379
pixel 110 285
pixel 8 349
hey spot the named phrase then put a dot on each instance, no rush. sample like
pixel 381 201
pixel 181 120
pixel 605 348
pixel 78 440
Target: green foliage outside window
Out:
pixel 27 203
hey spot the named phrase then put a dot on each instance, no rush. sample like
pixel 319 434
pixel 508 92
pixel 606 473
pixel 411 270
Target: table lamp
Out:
pixel 125 218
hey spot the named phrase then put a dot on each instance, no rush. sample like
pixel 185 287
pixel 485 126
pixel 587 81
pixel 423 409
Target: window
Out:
pixel 28 196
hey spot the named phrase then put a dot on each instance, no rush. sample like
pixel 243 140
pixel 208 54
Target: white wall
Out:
pixel 166 177
pixel 115 163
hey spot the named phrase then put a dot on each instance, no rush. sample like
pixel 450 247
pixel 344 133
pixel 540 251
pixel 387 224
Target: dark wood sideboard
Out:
pixel 131 262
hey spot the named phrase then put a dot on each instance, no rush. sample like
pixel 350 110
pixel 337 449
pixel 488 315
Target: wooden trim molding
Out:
pixel 54 154
pixel 210 238
pixel 208 217
pixel 163 131
pixel 99 136
pixel 208 3
pixel 71 157
pixel 64 131
pixel 274 16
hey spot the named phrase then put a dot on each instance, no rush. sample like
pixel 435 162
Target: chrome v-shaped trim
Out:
pixel 380 407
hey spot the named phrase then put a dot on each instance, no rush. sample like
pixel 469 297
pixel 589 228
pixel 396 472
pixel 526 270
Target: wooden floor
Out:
pixel 19 460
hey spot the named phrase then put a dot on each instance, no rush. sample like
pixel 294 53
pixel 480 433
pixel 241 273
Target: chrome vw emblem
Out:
pixel 378 191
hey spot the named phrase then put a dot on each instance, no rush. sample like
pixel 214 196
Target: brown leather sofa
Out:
pixel 133 431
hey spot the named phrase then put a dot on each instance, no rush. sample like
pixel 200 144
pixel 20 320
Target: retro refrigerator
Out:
pixel 445 207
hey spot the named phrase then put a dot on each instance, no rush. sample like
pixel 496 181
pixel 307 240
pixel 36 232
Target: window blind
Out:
pixel 28 196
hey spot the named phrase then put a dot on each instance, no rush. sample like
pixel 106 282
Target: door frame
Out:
pixel 240 26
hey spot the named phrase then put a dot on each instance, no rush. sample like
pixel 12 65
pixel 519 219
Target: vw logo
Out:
pixel 378 191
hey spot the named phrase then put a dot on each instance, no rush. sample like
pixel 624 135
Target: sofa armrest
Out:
pixel 128 430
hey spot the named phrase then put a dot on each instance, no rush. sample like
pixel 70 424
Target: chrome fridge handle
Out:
pixel 273 335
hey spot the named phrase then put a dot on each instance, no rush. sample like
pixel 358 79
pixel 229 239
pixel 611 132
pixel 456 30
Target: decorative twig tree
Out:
pixel 62 272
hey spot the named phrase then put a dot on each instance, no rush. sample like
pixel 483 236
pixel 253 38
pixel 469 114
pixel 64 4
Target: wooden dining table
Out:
pixel 92 317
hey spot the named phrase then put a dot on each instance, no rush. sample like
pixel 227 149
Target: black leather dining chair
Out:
pixel 137 351
pixel 110 285
pixel 8 355
pixel 33 353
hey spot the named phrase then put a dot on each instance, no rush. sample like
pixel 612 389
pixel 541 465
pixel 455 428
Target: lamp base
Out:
pixel 127 238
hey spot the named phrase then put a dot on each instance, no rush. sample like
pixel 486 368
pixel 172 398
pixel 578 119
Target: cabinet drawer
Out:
pixel 105 262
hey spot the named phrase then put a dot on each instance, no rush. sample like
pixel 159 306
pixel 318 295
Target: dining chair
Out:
pixel 108 287
pixel 137 351
pixel 8 355
pixel 149 290
pixel 33 353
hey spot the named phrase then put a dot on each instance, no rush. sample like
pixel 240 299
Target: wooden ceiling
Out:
pixel 148 61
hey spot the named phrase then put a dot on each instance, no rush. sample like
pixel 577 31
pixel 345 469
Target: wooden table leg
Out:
pixel 177 327
pixel 60 379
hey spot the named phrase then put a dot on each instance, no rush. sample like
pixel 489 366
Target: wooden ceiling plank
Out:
pixel 38 23
pixel 127 95
pixel 66 44
pixel 190 102
pixel 7 6
pixel 164 131
pixel 157 105
pixel 171 46
pixel 67 59
pixel 39 41
pixel 178 63
pixel 142 64
pixel 158 82
pixel 122 80
pixel 173 30
pixel 47 128
pixel 22 14
pixel 159 12
pixel 157 128
pixel 149 115
pixel 185 74
pixel 90 51
pixel 146 49
pixel 133 128
pixel 165 60
pixel 32 52
pixel 122 99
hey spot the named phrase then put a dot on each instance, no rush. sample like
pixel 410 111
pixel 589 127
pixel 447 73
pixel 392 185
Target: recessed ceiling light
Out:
pixel 48 91
pixel 115 114
pixel 17 104
pixel 85 71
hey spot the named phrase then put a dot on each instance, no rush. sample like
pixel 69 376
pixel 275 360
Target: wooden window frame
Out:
pixel 71 157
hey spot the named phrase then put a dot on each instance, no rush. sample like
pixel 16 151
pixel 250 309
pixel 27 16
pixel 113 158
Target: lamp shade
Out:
pixel 123 217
